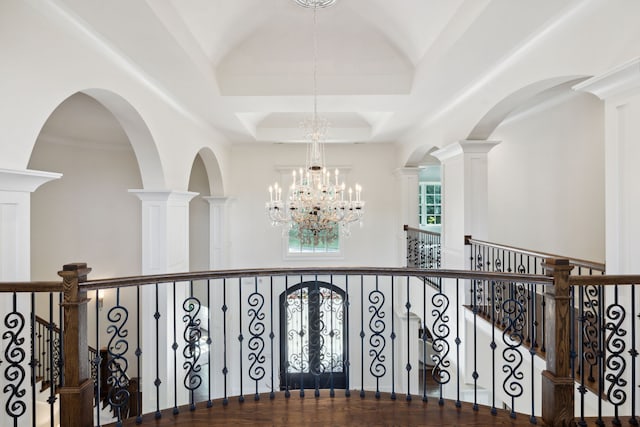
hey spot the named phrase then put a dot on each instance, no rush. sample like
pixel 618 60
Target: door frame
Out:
pixel 317 379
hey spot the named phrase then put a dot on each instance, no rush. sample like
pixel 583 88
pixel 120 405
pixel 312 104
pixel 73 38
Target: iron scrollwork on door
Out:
pixel 312 322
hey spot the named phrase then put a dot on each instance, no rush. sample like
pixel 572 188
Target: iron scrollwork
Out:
pixel 298 346
pixel 256 342
pixel 377 339
pixel 615 346
pixel 117 364
pixel 15 355
pixel 512 337
pixel 192 336
pixel 590 330
pixel 331 307
pixel 440 345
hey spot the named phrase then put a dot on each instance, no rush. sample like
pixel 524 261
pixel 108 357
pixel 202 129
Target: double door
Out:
pixel 313 340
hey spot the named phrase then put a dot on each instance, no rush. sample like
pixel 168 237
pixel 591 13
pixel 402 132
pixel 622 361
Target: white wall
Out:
pixel 546 179
pixel 87 215
pixel 255 243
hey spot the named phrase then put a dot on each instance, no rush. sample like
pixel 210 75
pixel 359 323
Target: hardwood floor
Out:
pixel 337 411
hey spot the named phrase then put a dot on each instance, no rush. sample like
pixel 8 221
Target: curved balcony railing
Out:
pixel 374 332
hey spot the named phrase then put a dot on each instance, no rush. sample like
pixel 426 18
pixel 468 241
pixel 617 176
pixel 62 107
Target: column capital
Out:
pixel 407 171
pixel 163 195
pixel 621 79
pixel 466 146
pixel 25 180
pixel 217 200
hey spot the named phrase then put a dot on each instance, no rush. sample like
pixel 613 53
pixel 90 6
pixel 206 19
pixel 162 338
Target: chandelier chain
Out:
pixel 315 64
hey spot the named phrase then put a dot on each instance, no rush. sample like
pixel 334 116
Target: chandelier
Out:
pixel 318 207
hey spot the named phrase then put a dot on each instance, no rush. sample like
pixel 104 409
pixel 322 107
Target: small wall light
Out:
pixel 100 299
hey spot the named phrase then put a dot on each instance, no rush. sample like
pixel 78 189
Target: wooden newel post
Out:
pixel 558 388
pixel 76 395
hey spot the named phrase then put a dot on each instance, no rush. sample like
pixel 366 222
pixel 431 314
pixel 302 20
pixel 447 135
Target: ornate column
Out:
pixel 465 192
pixel 165 230
pixel 165 249
pixel 464 212
pixel 620 90
pixel 16 187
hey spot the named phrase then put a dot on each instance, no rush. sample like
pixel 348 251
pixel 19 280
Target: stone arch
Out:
pixel 536 91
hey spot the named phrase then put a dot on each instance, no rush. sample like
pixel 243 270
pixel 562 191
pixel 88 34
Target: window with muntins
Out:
pixel 309 245
pixel 429 203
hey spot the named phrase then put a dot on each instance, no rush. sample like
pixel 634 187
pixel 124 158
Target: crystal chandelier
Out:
pixel 318 207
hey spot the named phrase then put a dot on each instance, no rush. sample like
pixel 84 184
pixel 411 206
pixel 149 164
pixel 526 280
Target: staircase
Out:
pixel 47 366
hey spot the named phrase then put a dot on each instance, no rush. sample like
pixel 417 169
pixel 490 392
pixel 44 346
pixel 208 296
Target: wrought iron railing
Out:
pixel 423 248
pixel 48 349
pixel 332 326
pixel 488 256
pixel 47 359
pixel 606 347
pixel 194 337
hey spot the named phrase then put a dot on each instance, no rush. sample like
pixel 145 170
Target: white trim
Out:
pixel 464 147
pixel 25 180
pixel 623 78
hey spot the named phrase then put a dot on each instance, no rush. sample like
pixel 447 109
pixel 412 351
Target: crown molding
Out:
pixel 619 80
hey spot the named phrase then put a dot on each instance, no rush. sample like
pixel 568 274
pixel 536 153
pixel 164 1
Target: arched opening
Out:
pixel 88 215
pixel 199 234
pixel 533 94
pixel 553 140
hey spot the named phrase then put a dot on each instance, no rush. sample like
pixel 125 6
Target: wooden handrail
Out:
pixel 608 280
pixel 419 230
pixel 598 266
pixel 92 285
pixel 31 287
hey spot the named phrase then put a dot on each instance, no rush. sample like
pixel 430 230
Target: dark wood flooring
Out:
pixel 337 411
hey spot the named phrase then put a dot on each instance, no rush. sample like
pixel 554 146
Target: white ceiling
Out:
pixel 245 67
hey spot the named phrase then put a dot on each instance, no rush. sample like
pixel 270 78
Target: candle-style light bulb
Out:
pixel 337 176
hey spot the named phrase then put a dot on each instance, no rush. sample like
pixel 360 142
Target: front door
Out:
pixel 313 344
